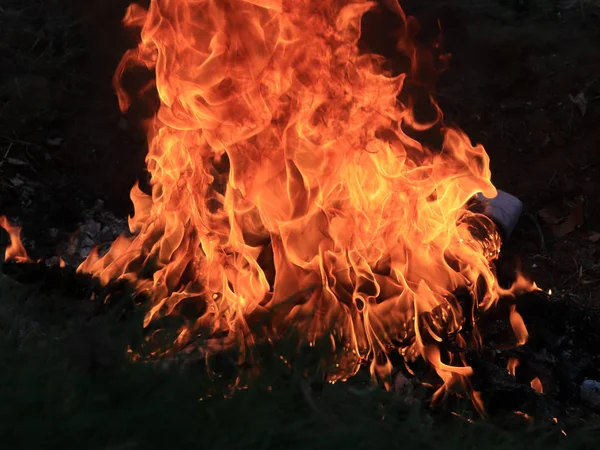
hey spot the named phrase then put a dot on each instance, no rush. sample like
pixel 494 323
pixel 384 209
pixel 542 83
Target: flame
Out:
pixel 290 189
pixel 286 184
pixel 512 365
pixel 15 251
pixel 518 326
pixel 537 386
pixel 524 415
pixel 555 420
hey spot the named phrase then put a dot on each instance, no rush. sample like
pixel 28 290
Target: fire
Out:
pixel 512 365
pixel 537 386
pixel 289 190
pixel 518 326
pixel 15 251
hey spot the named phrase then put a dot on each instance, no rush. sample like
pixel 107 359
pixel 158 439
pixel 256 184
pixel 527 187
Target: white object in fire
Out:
pixel 590 393
pixel 504 209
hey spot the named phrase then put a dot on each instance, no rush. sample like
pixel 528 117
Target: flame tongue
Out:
pixel 284 180
pixel 15 251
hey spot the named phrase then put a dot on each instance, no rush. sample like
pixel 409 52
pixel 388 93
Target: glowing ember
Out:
pixel 287 183
pixel 524 415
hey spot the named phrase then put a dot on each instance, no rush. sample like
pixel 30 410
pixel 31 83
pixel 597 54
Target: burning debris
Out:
pixel 291 179
pixel 97 231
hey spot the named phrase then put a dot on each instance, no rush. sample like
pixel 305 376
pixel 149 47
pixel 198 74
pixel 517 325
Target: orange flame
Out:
pixel 15 251
pixel 512 365
pixel 524 415
pixel 287 183
pixel 537 386
pixel 518 326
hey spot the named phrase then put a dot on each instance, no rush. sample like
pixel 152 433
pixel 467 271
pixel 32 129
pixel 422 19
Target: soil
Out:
pixel 523 80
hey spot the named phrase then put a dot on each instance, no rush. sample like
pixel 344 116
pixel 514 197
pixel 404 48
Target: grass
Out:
pixel 65 379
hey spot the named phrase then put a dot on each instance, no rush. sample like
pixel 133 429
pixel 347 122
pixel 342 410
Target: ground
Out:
pixel 523 80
